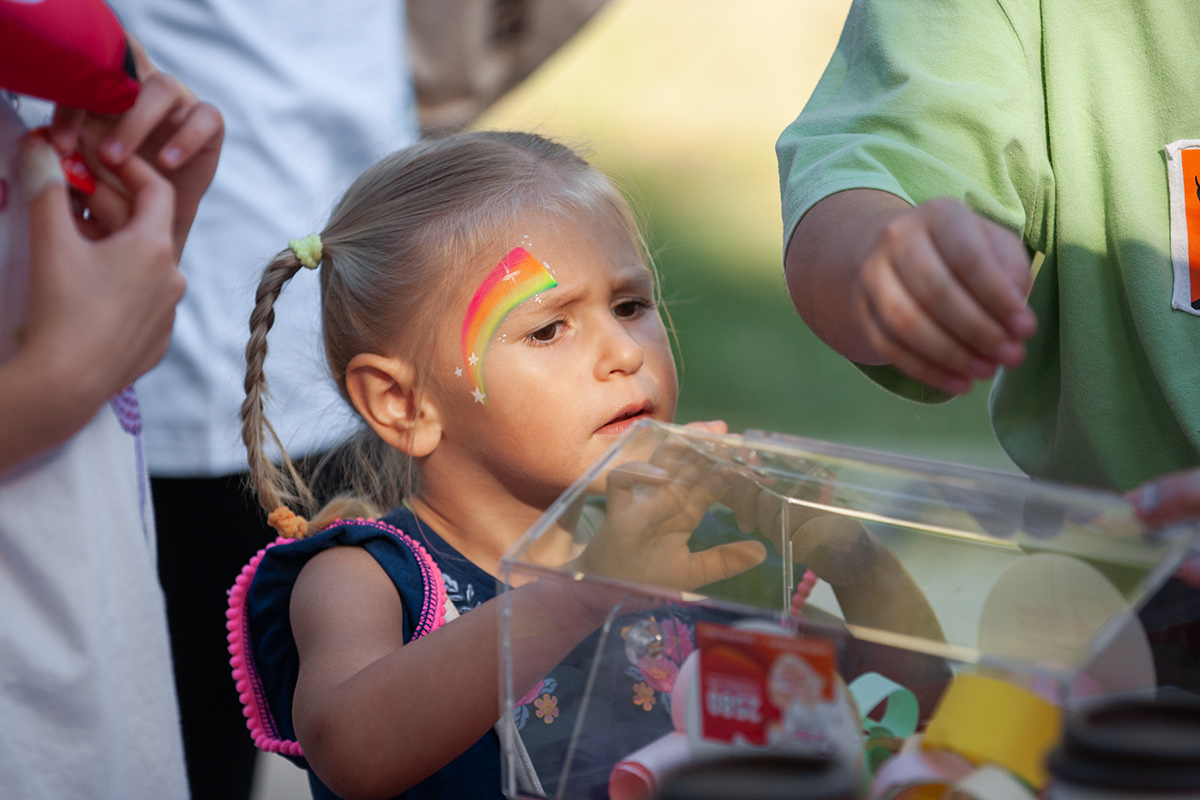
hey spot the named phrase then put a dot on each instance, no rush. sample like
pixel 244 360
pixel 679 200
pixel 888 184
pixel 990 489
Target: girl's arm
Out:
pixel 872 586
pixel 376 716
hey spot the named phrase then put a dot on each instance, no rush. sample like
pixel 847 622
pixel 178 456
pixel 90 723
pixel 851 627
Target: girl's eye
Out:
pixel 627 309
pixel 547 333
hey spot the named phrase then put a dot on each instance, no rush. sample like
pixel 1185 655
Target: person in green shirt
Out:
pixel 981 188
pixel 1002 188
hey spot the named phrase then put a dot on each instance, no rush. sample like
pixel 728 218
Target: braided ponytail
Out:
pixel 273 486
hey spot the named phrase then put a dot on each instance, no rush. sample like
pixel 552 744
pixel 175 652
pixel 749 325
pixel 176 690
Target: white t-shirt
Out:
pixel 87 695
pixel 312 94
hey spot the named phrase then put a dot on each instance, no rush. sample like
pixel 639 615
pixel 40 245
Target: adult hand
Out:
pixel 99 312
pixel 167 127
pixel 1172 498
pixel 943 294
pixel 935 290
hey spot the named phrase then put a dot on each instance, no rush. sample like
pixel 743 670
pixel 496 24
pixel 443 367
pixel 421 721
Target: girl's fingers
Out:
pixel 718 426
pixel 723 561
pixel 744 500
pixel 624 480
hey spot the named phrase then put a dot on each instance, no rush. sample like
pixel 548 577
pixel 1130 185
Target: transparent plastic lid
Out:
pixel 911 568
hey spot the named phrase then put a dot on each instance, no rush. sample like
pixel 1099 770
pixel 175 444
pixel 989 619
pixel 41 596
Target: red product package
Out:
pixel 73 52
pixel 751 679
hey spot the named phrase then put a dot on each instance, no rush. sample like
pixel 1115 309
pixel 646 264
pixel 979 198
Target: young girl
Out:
pixel 489 312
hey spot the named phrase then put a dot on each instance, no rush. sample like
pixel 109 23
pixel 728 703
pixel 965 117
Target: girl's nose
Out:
pixel 620 352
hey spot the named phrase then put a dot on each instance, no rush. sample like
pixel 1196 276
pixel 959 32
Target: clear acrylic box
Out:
pixel 934 571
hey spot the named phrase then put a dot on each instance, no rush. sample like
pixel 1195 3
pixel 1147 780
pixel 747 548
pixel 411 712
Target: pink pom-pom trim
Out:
pixel 803 590
pixel 259 721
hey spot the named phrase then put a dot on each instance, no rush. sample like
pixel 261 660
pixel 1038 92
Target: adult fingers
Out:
pixel 65 127
pixel 990 261
pixel 152 196
pixel 108 210
pixel 44 186
pixel 900 329
pixel 971 341
pixel 200 125
pixel 1173 498
pixel 159 96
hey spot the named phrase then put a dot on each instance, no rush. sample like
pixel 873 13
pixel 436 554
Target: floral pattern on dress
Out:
pixel 547 707
pixel 657 668
pixel 678 642
pixel 463 596
pixel 537 694
pixel 643 696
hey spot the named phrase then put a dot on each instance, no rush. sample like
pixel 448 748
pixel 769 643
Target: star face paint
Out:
pixel 518 277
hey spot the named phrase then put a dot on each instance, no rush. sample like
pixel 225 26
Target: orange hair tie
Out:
pixel 289 524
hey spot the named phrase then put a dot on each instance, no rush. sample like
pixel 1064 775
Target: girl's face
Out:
pixel 566 371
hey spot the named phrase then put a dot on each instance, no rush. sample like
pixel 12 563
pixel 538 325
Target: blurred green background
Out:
pixel 681 101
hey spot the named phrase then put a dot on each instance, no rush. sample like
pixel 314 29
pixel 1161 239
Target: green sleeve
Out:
pixel 925 100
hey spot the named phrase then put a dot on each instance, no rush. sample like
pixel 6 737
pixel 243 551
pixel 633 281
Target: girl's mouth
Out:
pixel 625 418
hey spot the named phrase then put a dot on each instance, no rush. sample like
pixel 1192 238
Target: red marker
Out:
pixel 74 168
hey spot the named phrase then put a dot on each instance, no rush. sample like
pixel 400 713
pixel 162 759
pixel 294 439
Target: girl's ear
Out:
pixel 383 389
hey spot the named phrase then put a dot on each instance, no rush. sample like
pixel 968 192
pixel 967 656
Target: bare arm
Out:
pixel 935 290
pixel 376 716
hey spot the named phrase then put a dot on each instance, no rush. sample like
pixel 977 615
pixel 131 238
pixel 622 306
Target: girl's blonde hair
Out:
pixel 401 235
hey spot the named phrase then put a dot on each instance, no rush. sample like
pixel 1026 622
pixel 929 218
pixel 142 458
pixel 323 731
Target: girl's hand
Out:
pixel 167 126
pixel 653 508
pixel 838 549
pixel 942 295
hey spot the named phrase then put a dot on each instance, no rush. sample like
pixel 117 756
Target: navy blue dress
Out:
pixel 628 709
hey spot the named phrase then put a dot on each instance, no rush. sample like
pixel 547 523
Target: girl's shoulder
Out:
pixel 262 648
pixel 396 542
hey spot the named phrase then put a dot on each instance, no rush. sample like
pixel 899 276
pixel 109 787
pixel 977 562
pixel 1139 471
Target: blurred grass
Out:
pixel 681 101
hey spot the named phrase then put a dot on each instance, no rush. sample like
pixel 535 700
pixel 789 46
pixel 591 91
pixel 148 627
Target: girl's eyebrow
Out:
pixel 634 278
pixel 638 278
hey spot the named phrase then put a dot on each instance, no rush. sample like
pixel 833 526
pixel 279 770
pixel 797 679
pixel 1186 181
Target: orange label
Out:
pixel 1191 197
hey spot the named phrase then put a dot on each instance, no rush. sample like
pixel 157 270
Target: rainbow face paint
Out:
pixel 518 277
